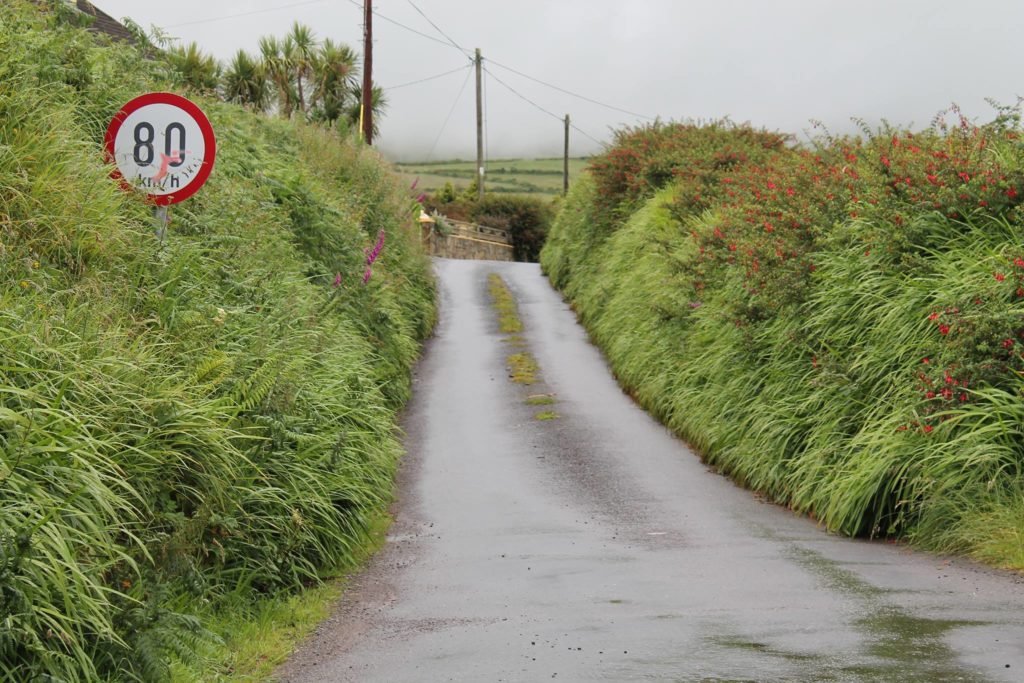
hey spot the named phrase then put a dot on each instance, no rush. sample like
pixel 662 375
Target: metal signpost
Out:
pixel 162 145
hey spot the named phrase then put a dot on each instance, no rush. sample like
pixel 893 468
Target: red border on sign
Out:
pixel 193 111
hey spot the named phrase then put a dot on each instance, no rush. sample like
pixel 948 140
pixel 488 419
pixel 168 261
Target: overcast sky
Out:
pixel 775 63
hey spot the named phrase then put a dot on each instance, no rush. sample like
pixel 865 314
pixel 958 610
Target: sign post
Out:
pixel 162 145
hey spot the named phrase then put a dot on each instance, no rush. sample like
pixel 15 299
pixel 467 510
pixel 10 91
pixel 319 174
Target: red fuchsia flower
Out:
pixel 732 247
pixel 927 429
pixel 1011 193
pixel 1007 343
pixel 1019 262
pixel 790 191
pixel 929 394
pixel 933 316
pixel 963 397
pixel 771 185
pixel 966 177
pixel 925 361
pixel 999 276
pixel 886 162
pixel 943 329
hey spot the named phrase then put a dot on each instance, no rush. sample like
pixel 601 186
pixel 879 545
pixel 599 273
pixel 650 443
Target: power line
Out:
pixel 428 78
pixel 401 25
pixel 552 115
pixel 450 112
pixel 245 14
pixel 569 92
pixel 437 28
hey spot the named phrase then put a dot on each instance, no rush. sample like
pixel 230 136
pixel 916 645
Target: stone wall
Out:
pixel 462 247
pixel 467 241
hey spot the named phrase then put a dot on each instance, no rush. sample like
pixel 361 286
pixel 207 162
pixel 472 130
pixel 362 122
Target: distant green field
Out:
pixel 515 176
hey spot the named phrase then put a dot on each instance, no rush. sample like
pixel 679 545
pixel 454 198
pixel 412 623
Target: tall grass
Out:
pixel 187 424
pixel 856 357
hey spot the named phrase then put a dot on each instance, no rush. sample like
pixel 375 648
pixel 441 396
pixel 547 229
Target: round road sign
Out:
pixel 163 145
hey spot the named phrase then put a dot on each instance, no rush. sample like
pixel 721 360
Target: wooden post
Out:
pixel 479 130
pixel 367 104
pixel 161 219
pixel 565 162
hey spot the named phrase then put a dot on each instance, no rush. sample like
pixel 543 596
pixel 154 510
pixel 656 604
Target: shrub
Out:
pixel 837 324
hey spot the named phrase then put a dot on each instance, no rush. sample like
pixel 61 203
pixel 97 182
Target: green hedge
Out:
pixel 838 325
pixel 186 422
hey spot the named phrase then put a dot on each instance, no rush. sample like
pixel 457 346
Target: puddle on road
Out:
pixel 898 646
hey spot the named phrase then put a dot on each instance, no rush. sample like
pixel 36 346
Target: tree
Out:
pixel 194 68
pixel 527 220
pixel 246 82
pixel 300 52
pixel 275 66
pixel 335 74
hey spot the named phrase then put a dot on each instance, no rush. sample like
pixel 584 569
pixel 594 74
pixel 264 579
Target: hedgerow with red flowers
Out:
pixel 839 324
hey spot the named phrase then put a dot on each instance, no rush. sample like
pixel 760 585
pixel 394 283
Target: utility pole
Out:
pixel 479 130
pixel 367 117
pixel 565 163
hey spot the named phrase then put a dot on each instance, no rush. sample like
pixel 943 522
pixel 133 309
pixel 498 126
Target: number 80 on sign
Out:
pixel 163 145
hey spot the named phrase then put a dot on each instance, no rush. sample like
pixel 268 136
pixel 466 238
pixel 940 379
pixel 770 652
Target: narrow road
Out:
pixel 597 547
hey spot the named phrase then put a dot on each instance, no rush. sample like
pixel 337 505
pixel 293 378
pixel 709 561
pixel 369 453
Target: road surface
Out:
pixel 597 547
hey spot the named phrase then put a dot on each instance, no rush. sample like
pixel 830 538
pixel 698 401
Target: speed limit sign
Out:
pixel 163 145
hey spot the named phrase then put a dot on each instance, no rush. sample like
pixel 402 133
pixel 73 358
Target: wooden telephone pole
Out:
pixel 565 159
pixel 367 103
pixel 479 130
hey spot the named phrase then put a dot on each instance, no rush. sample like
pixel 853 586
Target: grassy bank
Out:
pixel 838 325
pixel 191 426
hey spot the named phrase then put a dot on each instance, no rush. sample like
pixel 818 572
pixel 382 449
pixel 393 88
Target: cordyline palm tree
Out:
pixel 319 80
pixel 300 51
pixel 278 72
pixel 194 68
pixel 334 74
pixel 245 82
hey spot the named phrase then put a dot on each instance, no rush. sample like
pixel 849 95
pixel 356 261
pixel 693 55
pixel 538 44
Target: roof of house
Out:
pixel 104 23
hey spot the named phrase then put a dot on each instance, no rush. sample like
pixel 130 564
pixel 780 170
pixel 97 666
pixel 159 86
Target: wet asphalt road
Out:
pixel 597 547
